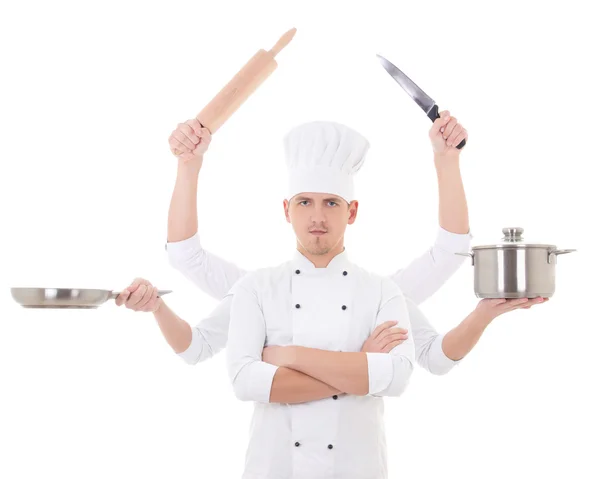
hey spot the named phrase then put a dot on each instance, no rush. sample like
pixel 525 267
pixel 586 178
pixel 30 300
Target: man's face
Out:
pixel 319 220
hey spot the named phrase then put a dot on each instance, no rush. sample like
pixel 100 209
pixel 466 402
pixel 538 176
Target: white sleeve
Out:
pixel 209 336
pixel 207 271
pixel 251 377
pixel 389 373
pixel 428 343
pixel 427 273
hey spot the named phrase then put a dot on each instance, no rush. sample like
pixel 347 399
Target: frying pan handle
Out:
pixel 161 292
pixel 434 115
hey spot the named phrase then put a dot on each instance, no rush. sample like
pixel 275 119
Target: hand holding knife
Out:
pixel 426 103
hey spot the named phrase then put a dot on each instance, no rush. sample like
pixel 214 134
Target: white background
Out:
pixel 89 95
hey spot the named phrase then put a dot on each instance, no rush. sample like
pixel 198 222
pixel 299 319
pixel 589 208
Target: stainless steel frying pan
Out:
pixel 64 297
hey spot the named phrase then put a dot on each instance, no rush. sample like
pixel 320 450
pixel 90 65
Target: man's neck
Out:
pixel 322 260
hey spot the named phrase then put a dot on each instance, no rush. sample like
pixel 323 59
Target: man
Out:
pixel 316 311
pixel 435 352
pixel 318 398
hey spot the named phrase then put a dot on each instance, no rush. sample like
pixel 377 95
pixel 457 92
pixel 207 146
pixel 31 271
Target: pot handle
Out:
pixel 557 252
pixel 472 255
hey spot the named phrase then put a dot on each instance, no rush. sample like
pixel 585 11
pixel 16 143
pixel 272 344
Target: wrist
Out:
pixel 482 319
pixel 159 306
pixel 189 167
pixel 450 158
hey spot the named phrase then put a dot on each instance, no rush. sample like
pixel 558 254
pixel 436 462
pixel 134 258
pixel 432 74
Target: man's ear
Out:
pixel 286 210
pixel 352 211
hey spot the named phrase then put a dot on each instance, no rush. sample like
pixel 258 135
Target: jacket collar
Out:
pixel 338 264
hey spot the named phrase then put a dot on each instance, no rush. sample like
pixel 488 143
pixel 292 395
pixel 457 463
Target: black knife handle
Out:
pixel 434 115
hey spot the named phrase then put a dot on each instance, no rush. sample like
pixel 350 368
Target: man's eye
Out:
pixel 304 202
pixel 333 203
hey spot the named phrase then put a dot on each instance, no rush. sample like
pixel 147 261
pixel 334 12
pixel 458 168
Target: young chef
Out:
pixel 436 353
pixel 314 313
pixel 317 396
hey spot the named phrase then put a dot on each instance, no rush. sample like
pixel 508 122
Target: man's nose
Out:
pixel 318 215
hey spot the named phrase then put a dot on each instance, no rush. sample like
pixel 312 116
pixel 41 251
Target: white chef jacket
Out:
pixel 334 308
pixel 418 281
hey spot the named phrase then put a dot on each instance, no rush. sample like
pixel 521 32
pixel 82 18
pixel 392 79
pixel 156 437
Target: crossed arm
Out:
pixel 302 374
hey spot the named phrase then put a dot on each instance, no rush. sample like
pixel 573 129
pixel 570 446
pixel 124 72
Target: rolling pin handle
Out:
pixel 283 41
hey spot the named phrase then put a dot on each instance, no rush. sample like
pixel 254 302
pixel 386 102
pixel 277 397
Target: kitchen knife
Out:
pixel 421 98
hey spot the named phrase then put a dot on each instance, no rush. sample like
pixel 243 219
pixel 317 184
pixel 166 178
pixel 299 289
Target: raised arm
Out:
pixel 427 273
pixel 212 274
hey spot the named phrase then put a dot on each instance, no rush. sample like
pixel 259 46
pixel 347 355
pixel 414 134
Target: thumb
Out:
pixel 440 123
pixel 123 296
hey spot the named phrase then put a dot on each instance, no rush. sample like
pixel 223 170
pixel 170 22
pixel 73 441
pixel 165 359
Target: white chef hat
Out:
pixel 322 157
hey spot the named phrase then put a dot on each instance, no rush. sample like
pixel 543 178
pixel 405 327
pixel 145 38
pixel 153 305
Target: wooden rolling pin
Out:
pixel 242 85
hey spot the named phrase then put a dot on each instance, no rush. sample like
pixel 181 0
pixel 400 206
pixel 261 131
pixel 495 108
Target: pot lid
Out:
pixel 513 238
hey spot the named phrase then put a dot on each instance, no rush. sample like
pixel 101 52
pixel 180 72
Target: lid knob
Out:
pixel 513 234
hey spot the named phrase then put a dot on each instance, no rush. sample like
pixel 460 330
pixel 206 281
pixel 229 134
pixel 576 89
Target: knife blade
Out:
pixel 421 98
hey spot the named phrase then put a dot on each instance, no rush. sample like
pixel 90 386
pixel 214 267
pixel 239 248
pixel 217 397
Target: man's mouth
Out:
pixel 318 232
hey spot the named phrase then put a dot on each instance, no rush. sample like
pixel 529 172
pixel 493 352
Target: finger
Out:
pixel 449 127
pixel 196 126
pixel 184 139
pixel 398 330
pixel 513 304
pixel 137 296
pixel 384 336
pixel 135 284
pixel 395 337
pixel 175 144
pixel 154 298
pixel 120 300
pixel 532 302
pixel 391 346
pixel 138 281
pixel 189 133
pixel 382 327
pixel 148 295
pixel 458 129
pixel 459 138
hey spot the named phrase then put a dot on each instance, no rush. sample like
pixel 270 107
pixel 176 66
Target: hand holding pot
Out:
pixel 492 308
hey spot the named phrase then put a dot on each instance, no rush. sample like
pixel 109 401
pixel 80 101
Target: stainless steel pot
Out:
pixel 513 268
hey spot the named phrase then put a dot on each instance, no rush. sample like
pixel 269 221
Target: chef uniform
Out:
pixel 334 308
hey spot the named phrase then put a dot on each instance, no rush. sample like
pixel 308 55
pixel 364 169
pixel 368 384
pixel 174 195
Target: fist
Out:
pixel 384 338
pixel 140 296
pixel 492 308
pixel 189 141
pixel 446 133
